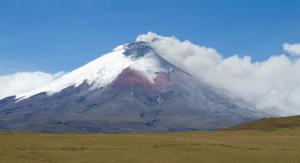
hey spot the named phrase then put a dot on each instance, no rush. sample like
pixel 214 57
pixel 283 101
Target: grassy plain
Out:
pixel 272 146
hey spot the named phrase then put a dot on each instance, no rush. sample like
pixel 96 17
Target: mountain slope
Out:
pixel 269 124
pixel 131 89
pixel 105 69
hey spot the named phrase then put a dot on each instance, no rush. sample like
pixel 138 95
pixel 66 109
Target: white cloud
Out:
pixel 293 49
pixel 271 85
pixel 23 82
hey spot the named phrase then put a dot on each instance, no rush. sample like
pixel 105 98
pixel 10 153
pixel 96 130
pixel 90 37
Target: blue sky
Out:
pixel 57 35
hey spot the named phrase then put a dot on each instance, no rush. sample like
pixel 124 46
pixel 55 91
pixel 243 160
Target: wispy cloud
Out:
pixel 293 49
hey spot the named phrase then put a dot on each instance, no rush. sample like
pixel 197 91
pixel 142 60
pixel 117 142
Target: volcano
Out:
pixel 131 89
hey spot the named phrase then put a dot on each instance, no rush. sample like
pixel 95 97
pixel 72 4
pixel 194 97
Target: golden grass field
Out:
pixel 276 146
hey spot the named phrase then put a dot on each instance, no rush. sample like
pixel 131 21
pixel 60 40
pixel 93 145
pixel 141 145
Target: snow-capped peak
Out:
pixel 105 69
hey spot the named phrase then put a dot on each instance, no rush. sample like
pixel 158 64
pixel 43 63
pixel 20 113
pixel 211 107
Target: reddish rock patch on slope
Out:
pixel 133 78
pixel 162 81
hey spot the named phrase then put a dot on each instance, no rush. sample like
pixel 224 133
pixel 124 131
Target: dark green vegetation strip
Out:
pixel 200 147
pixel 269 124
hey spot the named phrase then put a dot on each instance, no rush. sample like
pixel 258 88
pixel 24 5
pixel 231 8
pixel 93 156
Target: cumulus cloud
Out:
pixel 270 85
pixel 293 49
pixel 23 82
